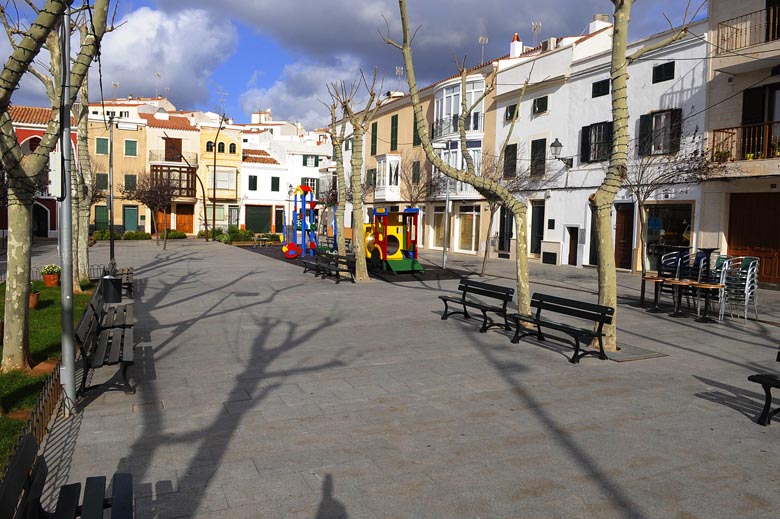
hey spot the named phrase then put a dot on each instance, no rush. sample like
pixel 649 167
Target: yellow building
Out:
pixel 221 150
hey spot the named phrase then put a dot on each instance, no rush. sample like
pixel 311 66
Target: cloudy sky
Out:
pixel 241 56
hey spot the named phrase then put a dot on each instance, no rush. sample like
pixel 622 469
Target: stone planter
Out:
pixel 51 280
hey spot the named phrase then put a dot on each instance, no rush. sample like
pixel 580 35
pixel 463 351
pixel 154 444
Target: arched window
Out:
pixel 210 146
pixel 232 148
pixel 221 147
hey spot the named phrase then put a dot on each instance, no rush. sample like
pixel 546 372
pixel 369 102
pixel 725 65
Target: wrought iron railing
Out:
pixel 749 29
pixel 451 124
pixel 750 142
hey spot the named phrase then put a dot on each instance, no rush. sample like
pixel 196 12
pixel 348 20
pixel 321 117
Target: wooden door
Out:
pixel 574 237
pixel 624 235
pixel 185 214
pixel 160 226
pixel 172 150
pixel 754 230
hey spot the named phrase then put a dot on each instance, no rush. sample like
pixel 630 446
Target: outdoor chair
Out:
pixel 739 277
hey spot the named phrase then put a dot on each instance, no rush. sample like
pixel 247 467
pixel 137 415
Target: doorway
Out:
pixel 624 235
pixel 537 226
pixel 574 240
pixel 506 226
pixel 40 222
pixel 185 215
pixel 130 217
pixel 279 220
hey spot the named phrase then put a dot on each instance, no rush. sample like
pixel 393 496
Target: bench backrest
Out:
pixel 24 479
pixel 469 286
pixel 590 311
pixel 89 325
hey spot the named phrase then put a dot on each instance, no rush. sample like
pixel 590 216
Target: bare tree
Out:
pixel 418 182
pixel 602 200
pixel 485 185
pixel 157 192
pixel 23 171
pixel 336 193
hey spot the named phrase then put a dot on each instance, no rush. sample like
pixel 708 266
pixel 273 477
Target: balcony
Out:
pixel 186 157
pixel 748 30
pixel 449 125
pixel 182 179
pixel 752 142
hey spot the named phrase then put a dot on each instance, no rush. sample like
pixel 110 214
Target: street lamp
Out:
pixel 555 150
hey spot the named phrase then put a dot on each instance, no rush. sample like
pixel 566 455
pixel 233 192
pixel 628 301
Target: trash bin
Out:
pixel 112 289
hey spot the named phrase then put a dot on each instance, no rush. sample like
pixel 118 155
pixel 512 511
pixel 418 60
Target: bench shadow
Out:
pixel 746 402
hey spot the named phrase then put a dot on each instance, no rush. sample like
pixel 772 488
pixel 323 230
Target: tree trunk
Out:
pixel 643 234
pixel 521 263
pixel 358 244
pixel 493 210
pixel 83 187
pixel 165 229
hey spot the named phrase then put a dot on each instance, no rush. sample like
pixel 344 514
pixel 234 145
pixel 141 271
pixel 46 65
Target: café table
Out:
pixel 677 286
pixel 707 288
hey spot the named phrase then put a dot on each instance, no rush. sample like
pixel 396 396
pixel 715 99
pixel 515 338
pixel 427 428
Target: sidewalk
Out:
pixel 264 392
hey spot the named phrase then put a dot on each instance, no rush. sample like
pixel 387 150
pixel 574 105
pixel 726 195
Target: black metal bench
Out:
pixel 105 337
pixel 473 294
pixel 767 381
pixel 23 485
pixel 314 263
pixel 336 265
pixel 598 315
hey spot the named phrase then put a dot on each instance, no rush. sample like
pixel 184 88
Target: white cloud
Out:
pixel 300 91
pixel 183 47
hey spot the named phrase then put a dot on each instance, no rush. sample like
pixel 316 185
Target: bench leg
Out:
pixel 446 313
pixel 766 414
pixel 485 320
pixel 520 332
pixel 465 312
pixel 129 390
pixel 575 359
pixel 602 355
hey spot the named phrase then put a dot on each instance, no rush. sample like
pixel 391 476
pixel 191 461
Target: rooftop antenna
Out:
pixel 399 73
pixel 536 28
pixel 157 77
pixel 483 41
pixel 115 86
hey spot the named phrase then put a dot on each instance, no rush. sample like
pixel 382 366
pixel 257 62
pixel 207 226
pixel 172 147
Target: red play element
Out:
pixel 293 251
pixel 305 189
pixel 312 245
pixel 313 204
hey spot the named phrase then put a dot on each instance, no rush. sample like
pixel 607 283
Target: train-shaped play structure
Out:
pixel 391 240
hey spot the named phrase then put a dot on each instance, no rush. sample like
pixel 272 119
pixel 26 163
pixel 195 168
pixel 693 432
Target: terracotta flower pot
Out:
pixel 34 299
pixel 51 280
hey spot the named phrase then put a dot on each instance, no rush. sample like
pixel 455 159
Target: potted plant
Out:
pixel 722 155
pixel 35 294
pixel 51 275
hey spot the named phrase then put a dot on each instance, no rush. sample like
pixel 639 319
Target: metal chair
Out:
pixel 739 277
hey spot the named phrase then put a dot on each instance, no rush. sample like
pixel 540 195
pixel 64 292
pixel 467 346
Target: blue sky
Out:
pixel 241 56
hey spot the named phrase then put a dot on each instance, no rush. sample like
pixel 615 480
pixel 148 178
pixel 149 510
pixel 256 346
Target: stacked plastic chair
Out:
pixel 739 277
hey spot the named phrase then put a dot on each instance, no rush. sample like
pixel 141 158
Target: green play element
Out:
pixel 404 265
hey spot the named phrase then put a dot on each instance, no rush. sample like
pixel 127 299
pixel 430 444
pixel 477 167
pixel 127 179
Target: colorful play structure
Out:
pixel 302 239
pixel 391 240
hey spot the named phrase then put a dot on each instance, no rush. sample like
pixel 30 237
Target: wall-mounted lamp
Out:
pixel 555 150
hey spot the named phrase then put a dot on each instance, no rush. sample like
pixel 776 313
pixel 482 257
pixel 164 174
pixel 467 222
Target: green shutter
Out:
pixel 645 135
pixel 130 182
pixel 416 141
pixel 274 183
pixel 394 132
pixel 101 181
pixel 101 217
pixel 253 182
pixel 101 146
pixel 373 138
pixel 131 148
pixel 416 172
pixel 316 160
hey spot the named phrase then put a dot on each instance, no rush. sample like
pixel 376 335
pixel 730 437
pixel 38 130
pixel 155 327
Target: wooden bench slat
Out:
pixel 17 477
pixel 574 312
pixel 94 498
pixel 68 501
pixel 99 355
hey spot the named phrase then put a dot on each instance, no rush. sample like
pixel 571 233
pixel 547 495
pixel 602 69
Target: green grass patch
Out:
pixel 20 391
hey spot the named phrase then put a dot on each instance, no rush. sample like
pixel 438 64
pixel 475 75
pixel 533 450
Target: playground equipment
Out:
pixel 302 239
pixel 391 240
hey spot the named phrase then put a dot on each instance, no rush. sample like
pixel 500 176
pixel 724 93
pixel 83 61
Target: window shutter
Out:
pixel 415 134
pixel 317 188
pixel 585 144
pixel 316 160
pixel 675 130
pixel 610 137
pixel 753 106
pixel 373 138
pixel 510 161
pixel 645 134
pixel 416 172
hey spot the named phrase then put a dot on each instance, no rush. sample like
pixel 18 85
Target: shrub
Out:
pixel 137 235
pixel 51 268
pixel 223 238
pixel 174 234
pixel 213 233
pixel 240 235
pixel 105 235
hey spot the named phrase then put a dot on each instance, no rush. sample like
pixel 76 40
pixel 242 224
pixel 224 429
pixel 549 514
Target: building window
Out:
pixel 130 181
pixel 275 184
pixel 663 72
pixel 538 157
pixel 373 138
pixel 416 172
pixel 509 114
pixel 393 178
pixel 210 147
pixel 232 148
pixel 416 141
pixel 220 212
pixel 601 88
pixel 394 133
pixel 539 105
pixel 101 146
pixel 596 142
pixel 510 161
pixel 253 182
pixel 659 132
pixel 131 148
pixel 347 144
pixel 313 183
pixel 371 177
pixel 101 181
pixel 221 147
pixel 311 160
pixel 226 179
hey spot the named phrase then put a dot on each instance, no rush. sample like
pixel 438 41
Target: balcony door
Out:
pixel 172 150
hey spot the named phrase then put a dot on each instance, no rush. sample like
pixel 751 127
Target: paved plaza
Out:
pixel 265 392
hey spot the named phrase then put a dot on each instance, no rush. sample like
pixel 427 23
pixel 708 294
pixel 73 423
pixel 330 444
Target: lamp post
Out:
pixel 112 260
pixel 555 151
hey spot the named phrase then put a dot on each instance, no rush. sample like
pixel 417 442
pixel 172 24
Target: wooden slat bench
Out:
pixel 767 381
pixel 597 315
pixel 127 280
pixel 23 485
pixel 337 265
pixel 473 294
pixel 105 337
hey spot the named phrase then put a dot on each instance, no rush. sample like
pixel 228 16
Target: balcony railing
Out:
pixel 182 178
pixel 749 29
pixel 755 141
pixel 450 125
pixel 186 157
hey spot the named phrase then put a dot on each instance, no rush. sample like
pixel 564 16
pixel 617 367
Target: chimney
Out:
pixel 516 47
pixel 599 22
